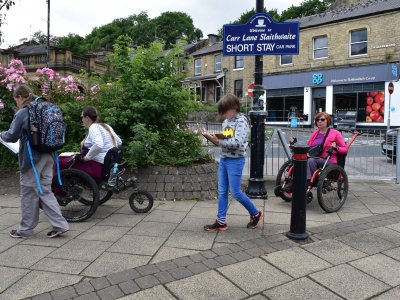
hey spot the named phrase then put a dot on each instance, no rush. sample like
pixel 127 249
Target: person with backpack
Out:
pixel 99 139
pixel 33 165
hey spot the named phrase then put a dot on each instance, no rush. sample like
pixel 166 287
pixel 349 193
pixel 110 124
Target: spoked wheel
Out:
pixel 333 187
pixel 141 201
pixel 283 183
pixel 78 196
pixel 105 195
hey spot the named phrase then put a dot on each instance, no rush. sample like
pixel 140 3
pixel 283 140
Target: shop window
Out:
pixel 358 42
pixel 320 46
pixel 286 59
pixel 279 108
pixel 369 105
pixel 197 66
pixel 239 88
pixel 239 62
pixel 218 60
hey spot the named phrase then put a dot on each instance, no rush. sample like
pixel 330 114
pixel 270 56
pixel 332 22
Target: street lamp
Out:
pixel 48 34
pixel 225 70
pixel 256 187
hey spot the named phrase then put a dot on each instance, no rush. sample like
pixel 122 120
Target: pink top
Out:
pixel 333 136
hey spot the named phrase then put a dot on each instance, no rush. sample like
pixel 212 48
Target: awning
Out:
pixel 201 78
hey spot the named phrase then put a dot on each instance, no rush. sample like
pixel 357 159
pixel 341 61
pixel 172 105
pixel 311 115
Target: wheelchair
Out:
pixel 80 194
pixel 331 181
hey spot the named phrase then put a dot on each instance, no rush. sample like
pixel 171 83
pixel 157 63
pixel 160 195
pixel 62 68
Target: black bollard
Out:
pixel 299 188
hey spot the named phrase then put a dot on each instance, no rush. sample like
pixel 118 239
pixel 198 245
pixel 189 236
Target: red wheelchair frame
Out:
pixel 331 181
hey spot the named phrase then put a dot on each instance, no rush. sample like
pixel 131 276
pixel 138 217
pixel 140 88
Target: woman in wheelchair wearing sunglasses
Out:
pixel 331 139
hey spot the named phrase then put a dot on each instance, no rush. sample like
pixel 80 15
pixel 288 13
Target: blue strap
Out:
pixel 34 169
pixel 58 168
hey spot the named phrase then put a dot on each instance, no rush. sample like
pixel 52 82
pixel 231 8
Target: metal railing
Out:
pixel 365 159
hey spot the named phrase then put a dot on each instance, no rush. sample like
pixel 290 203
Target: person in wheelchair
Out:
pixel 99 139
pixel 331 139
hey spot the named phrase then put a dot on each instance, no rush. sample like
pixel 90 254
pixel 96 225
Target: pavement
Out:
pixel 165 254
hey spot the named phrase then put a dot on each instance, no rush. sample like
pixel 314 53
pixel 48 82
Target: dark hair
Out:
pixel 91 112
pixel 228 102
pixel 24 91
pixel 323 115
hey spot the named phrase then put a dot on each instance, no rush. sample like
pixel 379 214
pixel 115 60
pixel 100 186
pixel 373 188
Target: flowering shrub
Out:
pixel 144 103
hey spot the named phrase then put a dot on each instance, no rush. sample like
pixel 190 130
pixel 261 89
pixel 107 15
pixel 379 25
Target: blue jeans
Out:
pixel 230 178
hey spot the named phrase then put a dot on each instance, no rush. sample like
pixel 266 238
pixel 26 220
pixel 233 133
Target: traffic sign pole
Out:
pixel 390 90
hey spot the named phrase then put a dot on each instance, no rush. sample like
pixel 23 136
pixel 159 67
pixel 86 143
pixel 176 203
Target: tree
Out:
pixel 74 42
pixel 172 26
pixel 4 4
pixel 306 8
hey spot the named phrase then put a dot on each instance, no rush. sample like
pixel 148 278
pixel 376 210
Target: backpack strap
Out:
pixel 326 135
pixel 33 167
pixel 58 167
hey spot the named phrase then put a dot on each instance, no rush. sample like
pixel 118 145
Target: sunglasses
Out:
pixel 320 120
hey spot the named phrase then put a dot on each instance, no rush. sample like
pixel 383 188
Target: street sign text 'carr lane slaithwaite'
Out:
pixel 261 35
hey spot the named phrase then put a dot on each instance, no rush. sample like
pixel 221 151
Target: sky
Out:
pixel 81 16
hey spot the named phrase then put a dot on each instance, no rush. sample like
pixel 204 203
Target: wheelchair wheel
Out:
pixel 78 196
pixel 333 187
pixel 141 201
pixel 104 196
pixel 283 182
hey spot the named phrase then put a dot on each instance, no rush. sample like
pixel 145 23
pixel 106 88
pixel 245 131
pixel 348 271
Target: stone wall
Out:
pixel 180 183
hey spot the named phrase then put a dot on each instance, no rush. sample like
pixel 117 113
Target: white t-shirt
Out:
pixel 99 141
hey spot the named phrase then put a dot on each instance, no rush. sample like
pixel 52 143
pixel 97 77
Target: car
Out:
pixel 389 144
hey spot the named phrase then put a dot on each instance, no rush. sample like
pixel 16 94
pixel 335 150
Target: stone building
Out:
pixel 63 61
pixel 348 55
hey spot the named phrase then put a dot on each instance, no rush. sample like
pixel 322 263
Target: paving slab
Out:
pixel 334 251
pixel 366 242
pixel 141 245
pixel 349 283
pixel 104 233
pixel 254 275
pixel 8 276
pixel 393 253
pixel 288 261
pixel 156 293
pixel 23 256
pixel 38 282
pixel 153 229
pixel 389 295
pixel 217 287
pixel 81 250
pixel 300 289
pixel 381 267
pixel 167 253
pixel 199 240
pixel 66 266
pixel 108 263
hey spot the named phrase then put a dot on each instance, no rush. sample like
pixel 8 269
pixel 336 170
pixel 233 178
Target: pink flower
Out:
pixel 95 89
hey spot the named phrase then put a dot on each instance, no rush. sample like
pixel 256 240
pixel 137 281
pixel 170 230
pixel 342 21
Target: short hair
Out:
pixel 324 115
pixel 91 112
pixel 228 102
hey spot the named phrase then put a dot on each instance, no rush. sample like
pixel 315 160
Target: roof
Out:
pixel 216 47
pixel 356 11
pixel 204 77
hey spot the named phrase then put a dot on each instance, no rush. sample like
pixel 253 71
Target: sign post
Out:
pixel 390 90
pixel 261 35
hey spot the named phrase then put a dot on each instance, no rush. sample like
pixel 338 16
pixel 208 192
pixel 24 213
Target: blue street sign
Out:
pixel 261 35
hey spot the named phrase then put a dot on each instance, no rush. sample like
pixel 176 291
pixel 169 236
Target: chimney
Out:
pixel 212 39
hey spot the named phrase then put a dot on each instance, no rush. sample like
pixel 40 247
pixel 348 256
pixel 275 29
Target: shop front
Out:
pixel 362 90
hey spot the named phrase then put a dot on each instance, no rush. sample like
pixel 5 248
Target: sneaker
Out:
pixel 14 234
pixel 255 220
pixel 216 227
pixel 55 233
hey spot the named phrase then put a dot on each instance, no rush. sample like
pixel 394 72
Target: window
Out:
pixel 184 67
pixel 286 59
pixel 320 45
pixel 197 66
pixel 280 107
pixel 239 88
pixel 358 42
pixel 239 62
pixel 218 92
pixel 218 60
